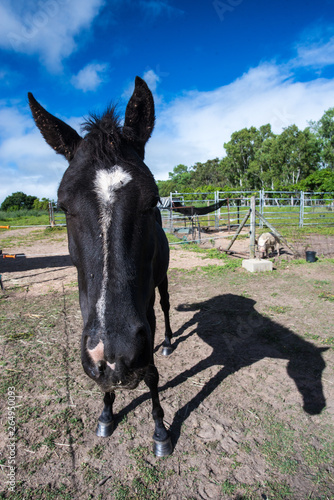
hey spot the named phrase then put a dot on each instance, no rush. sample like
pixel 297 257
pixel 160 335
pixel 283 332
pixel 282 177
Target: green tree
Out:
pixel 324 129
pixel 42 204
pixel 181 178
pixel 18 201
pixel 322 180
pixel 166 187
pixel 240 154
pixel 295 155
pixel 262 169
pixel 209 173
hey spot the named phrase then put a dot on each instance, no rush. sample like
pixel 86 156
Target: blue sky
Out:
pixel 213 66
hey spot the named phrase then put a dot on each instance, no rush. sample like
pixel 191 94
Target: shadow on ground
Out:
pixel 239 337
pixel 10 265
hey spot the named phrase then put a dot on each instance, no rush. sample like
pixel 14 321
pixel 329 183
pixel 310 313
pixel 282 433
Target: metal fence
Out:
pixel 56 216
pixel 280 208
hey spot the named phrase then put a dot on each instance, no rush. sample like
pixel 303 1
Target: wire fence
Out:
pixel 280 208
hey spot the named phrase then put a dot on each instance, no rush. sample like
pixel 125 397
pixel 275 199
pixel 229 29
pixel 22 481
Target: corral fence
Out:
pixel 56 216
pixel 280 208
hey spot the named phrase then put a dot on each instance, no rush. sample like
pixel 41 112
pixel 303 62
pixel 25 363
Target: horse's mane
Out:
pixel 103 133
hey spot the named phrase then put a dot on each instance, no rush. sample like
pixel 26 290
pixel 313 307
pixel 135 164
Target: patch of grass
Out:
pixel 321 282
pixel 246 447
pixel 278 447
pixel 120 491
pixel 322 340
pixel 13 378
pixel 213 270
pixel 24 218
pixel 97 451
pixel 278 491
pixel 26 413
pixel 172 239
pixel 312 336
pixel 296 233
pixel 49 492
pixel 326 296
pixel 228 488
pixel 127 428
pixel 145 484
pixel 20 335
pixel 230 263
pixel 279 309
pixel 320 456
pixel 32 236
pixel 212 444
pixel 50 231
pixel 91 475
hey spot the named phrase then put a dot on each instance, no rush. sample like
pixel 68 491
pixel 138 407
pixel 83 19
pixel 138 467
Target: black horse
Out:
pixel 118 246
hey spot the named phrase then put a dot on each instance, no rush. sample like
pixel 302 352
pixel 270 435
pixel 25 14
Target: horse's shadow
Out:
pixel 240 336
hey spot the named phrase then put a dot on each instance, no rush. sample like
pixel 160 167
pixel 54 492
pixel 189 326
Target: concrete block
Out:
pixel 257 265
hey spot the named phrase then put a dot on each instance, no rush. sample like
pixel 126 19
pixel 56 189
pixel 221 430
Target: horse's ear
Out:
pixel 139 117
pixel 60 136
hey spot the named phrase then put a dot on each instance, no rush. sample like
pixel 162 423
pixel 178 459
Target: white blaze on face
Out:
pixel 106 183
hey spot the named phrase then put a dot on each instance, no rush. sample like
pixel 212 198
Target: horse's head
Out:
pixel 109 196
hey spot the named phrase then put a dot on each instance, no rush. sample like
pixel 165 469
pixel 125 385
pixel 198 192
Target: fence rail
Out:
pixel 56 216
pixel 281 208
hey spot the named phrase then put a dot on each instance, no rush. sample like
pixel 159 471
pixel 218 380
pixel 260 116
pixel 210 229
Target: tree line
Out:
pixel 21 201
pixel 259 159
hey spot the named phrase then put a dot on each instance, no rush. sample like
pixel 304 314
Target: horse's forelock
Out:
pixel 103 136
pixel 108 123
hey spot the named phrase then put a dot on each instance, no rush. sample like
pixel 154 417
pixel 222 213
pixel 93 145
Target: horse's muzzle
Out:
pixel 117 376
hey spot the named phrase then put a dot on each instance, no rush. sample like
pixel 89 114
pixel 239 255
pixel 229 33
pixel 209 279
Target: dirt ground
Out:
pixel 248 391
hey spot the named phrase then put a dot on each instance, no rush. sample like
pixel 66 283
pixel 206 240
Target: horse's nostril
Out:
pixel 101 365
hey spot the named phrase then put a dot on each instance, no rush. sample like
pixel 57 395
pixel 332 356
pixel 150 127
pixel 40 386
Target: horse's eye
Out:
pixel 155 201
pixel 63 208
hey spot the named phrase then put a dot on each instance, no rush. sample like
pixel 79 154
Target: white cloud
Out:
pixel 90 77
pixel 152 79
pixel 315 55
pixel 27 163
pixel 47 29
pixel 195 126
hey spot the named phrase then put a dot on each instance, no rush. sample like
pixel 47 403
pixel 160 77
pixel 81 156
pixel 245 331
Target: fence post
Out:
pixel 217 212
pixel 171 213
pixel 252 227
pixel 261 200
pixel 51 214
pixel 301 209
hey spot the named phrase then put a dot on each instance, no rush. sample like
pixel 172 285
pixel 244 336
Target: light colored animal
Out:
pixel 267 242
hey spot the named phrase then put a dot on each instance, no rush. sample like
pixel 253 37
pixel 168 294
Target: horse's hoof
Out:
pixel 167 350
pixel 105 429
pixel 162 448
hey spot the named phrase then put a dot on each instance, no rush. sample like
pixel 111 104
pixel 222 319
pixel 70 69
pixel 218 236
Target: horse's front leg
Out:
pixel 165 306
pixel 162 444
pixel 106 424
